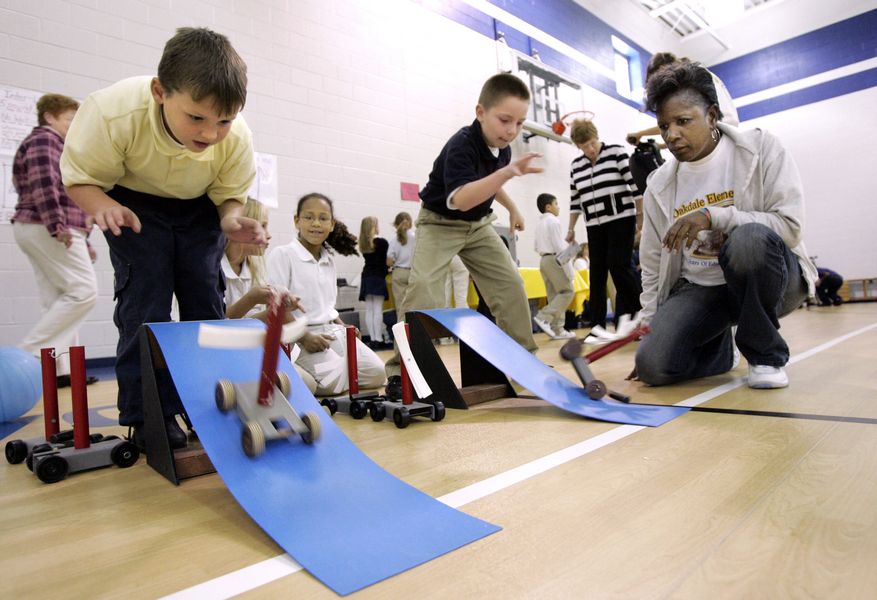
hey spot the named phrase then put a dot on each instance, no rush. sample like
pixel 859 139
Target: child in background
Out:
pixel 558 278
pixel 373 283
pixel 246 286
pixel 399 259
pixel 582 260
pixel 456 215
pixel 163 164
pixel 306 268
pixel 827 285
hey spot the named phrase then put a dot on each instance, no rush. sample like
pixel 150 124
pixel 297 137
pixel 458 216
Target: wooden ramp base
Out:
pixel 192 462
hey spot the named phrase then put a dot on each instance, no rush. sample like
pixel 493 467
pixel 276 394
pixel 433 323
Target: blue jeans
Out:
pixel 691 330
pixel 177 253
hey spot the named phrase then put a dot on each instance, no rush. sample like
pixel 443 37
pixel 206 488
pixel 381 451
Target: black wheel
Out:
pixel 312 422
pixel 62 437
pixel 52 469
pixel 357 409
pixel 401 417
pixel 330 404
pixel 16 452
pixel 225 396
pixel 283 383
pixel 377 411
pixel 124 455
pixel 438 412
pixel 596 389
pixel 38 449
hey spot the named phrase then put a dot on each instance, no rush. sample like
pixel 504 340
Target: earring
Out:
pixel 715 134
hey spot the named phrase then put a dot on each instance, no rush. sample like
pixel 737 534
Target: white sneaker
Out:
pixel 545 326
pixel 764 377
pixel 563 334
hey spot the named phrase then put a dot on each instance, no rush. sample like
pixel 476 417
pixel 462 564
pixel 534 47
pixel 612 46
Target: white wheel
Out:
pixel 312 422
pixel 225 396
pixel 253 439
pixel 283 383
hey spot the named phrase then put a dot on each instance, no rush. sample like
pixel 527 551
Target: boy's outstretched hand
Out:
pixel 116 217
pixel 522 166
pixel 244 230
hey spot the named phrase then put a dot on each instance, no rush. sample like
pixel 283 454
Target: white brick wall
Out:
pixel 353 96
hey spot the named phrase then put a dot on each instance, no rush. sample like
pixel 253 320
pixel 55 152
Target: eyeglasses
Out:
pixel 323 219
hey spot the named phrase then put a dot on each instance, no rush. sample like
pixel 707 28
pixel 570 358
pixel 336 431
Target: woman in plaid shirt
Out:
pixel 51 230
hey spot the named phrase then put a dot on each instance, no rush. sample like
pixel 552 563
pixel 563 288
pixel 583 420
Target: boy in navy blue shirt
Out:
pixel 457 213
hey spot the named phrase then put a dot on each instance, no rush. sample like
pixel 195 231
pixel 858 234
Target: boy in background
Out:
pixel 456 215
pixel 163 165
pixel 558 278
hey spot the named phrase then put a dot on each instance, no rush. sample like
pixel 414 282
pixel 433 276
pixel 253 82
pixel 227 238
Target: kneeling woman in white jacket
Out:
pixel 721 242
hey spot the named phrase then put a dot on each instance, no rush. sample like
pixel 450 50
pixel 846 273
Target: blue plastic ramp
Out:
pixel 330 507
pixel 497 348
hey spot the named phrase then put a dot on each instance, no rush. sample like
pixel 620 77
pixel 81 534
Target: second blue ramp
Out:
pixel 497 348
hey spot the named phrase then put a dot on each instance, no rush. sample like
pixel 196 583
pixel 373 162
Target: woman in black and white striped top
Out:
pixel 602 188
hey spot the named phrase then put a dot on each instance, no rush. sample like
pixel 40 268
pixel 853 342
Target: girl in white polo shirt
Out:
pixel 306 268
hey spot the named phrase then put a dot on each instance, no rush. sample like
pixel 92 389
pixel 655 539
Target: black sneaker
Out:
pixel 176 437
pixel 175 434
pixel 393 389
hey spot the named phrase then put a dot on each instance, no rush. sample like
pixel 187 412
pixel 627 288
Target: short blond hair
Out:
pixel 583 130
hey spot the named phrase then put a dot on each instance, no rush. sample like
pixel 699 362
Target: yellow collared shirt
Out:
pixel 118 138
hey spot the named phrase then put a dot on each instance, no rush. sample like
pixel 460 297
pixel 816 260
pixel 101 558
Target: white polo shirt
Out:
pixel 294 267
pixel 237 284
pixel 400 254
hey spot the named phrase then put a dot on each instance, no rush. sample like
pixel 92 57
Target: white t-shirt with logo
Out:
pixel 705 183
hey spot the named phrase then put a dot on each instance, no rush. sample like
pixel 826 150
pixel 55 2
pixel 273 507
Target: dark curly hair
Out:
pixel 340 239
pixel 680 76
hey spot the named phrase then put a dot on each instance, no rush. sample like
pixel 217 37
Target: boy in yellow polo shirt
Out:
pixel 163 165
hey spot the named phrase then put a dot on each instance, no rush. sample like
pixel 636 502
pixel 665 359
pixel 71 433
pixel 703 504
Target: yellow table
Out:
pixel 535 288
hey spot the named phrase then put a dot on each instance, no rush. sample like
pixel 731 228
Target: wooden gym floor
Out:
pixel 710 505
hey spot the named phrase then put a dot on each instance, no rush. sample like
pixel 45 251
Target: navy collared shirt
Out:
pixel 464 159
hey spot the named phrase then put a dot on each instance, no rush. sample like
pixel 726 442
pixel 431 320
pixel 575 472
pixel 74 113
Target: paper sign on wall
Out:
pixel 18 115
pixel 264 188
pixel 410 191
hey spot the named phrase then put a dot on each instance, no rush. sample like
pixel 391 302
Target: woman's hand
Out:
pixel 685 229
pixel 315 342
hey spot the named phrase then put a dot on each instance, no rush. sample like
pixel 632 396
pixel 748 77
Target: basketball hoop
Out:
pixel 559 126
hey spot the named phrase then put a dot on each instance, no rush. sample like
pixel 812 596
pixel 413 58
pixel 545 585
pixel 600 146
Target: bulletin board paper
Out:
pixel 18 116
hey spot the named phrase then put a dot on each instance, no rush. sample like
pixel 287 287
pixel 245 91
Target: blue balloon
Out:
pixel 21 382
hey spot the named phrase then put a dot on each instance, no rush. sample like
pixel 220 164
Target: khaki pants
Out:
pixel 399 281
pixel 439 239
pixel 67 287
pixel 559 289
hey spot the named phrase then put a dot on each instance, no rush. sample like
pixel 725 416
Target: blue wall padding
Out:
pixel 518 364
pixel 336 512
